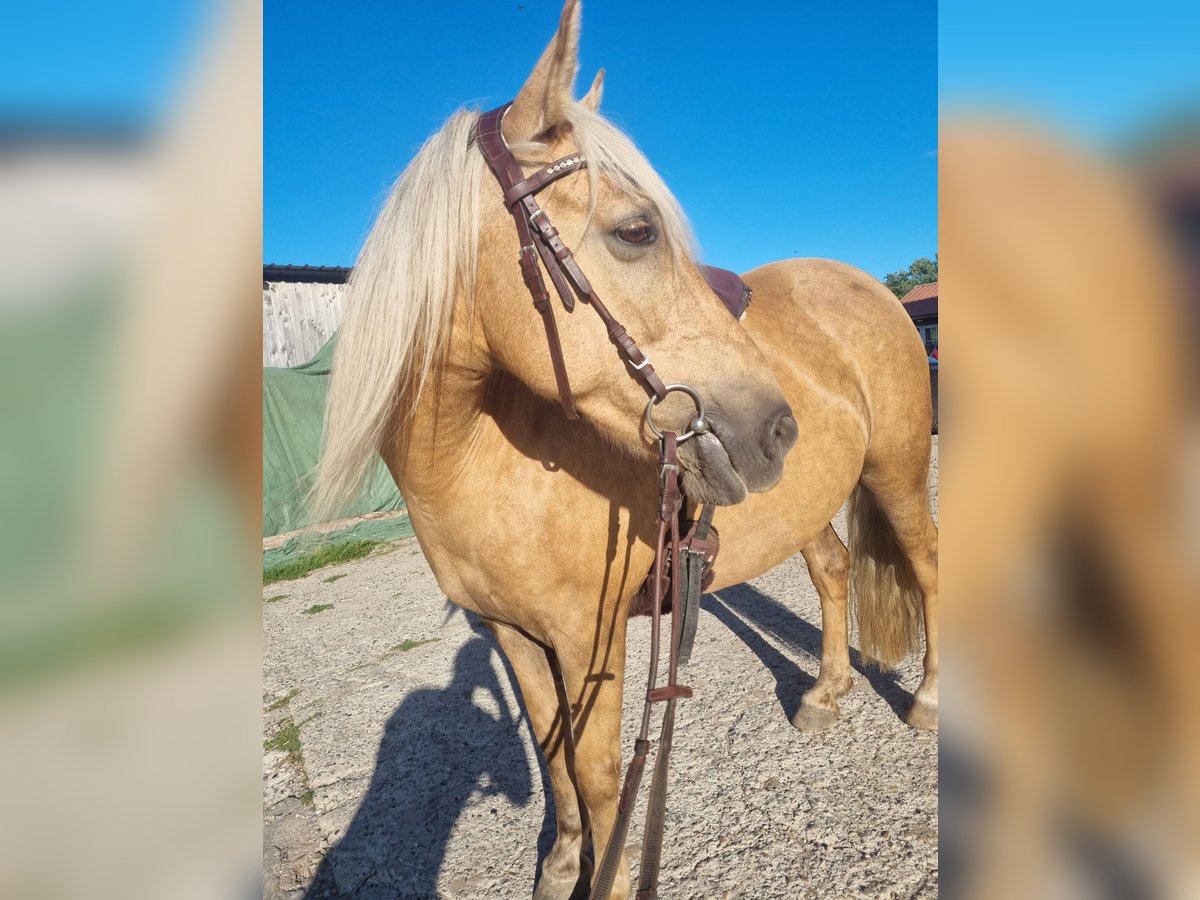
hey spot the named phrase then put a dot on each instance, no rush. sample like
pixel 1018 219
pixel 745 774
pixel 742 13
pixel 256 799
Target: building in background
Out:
pixel 921 304
pixel 302 308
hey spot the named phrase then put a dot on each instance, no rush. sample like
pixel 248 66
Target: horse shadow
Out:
pixel 749 613
pixel 440 751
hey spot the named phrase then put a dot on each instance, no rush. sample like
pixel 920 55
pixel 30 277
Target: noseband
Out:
pixel 684 555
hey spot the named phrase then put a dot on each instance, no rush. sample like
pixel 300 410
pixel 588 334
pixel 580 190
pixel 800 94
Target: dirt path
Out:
pixel 407 769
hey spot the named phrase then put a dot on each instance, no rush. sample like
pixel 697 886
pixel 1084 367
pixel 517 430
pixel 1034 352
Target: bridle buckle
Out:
pixel 664 469
pixel 637 367
pixel 533 220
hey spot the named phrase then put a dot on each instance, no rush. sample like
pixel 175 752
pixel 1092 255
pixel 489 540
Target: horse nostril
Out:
pixel 782 433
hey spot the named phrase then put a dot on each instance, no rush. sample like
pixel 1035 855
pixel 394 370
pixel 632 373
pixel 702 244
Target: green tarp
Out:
pixel 293 410
pixel 379 530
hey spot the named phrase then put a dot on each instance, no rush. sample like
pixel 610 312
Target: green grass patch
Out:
pixel 326 555
pixel 332 578
pixel 283 701
pixel 317 607
pixel 276 598
pixel 286 740
pixel 405 646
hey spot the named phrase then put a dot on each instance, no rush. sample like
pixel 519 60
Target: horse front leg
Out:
pixel 593 670
pixel 829 568
pixel 549 715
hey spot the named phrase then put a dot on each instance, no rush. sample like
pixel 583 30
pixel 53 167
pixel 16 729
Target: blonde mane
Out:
pixel 420 255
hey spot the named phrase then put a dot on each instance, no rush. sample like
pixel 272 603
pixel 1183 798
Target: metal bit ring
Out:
pixel 698 425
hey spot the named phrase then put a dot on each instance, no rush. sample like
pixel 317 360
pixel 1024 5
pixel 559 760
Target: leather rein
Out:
pixel 684 553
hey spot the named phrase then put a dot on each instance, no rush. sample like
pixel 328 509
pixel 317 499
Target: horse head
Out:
pixel 630 238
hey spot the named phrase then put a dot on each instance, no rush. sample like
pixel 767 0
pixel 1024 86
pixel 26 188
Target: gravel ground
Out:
pixel 406 769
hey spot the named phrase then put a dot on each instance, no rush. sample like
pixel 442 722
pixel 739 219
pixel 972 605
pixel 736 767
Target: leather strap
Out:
pixel 700 548
pixel 543 177
pixel 656 805
pixel 667 552
pixel 508 172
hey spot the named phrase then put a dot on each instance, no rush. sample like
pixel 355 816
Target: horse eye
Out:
pixel 637 232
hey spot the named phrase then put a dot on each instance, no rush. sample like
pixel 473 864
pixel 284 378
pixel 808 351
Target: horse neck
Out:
pixel 438 437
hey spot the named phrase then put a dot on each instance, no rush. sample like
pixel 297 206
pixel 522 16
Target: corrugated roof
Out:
pixel 922 309
pixel 311 274
pixel 921 292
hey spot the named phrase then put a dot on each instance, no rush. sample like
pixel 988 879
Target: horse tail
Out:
pixel 883 585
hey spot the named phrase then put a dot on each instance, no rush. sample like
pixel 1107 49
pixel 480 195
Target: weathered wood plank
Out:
pixel 298 318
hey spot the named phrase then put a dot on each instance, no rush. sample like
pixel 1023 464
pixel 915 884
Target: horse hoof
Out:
pixel 923 716
pixel 554 888
pixel 813 718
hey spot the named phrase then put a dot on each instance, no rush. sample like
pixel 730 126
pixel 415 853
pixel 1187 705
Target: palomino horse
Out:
pixel 544 526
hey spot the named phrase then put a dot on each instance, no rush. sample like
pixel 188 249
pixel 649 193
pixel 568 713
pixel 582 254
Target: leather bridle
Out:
pixel 681 563
pixel 540 240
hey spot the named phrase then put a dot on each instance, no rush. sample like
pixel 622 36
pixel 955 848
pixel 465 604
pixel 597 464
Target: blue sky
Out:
pixel 797 129
pixel 802 128
pixel 1099 71
pixel 120 60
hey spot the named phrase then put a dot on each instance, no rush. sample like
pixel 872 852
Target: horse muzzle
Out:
pixel 742 452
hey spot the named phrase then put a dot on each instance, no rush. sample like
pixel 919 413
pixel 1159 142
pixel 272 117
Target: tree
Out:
pixel 922 271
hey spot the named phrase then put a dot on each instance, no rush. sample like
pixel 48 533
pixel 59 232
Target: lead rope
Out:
pixel 667 544
pixel 656 807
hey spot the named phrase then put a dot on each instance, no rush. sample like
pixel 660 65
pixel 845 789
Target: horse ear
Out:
pixel 542 103
pixel 592 98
